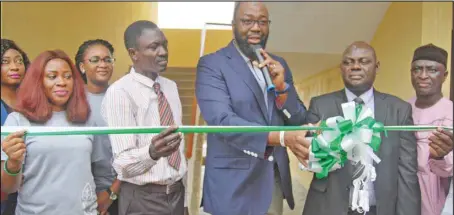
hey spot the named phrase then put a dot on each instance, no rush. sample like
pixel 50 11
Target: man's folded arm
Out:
pixel 128 159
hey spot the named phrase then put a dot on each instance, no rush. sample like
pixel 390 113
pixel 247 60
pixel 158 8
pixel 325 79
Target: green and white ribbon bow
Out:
pixel 354 137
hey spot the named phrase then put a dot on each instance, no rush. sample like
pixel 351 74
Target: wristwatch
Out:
pixel 112 196
pixel 283 91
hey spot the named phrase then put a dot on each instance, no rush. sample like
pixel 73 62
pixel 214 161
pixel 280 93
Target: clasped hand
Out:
pixel 165 143
pixel 440 143
pixel 14 147
pixel 104 202
pixel 297 142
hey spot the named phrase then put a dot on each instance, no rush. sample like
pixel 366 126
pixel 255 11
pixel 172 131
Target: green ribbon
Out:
pixel 330 148
pixel 53 131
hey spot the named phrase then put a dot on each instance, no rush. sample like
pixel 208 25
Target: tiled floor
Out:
pixel 300 181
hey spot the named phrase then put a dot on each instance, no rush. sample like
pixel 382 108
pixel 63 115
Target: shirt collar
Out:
pixel 143 79
pixel 366 96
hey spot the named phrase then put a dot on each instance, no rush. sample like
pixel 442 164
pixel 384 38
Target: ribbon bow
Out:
pixel 354 137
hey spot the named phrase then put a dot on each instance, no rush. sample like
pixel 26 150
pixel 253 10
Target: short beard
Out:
pixel 245 47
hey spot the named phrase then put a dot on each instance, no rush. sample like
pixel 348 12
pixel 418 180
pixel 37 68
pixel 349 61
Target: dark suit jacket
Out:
pixel 396 187
pixel 238 180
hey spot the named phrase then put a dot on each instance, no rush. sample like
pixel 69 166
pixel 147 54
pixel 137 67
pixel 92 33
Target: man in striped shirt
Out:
pixel 152 167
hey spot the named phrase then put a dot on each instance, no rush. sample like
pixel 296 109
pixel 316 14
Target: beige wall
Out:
pixel 405 26
pixel 39 26
pixel 436 28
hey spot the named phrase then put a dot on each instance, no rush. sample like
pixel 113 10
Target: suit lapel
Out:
pixel 271 99
pixel 380 112
pixel 237 63
pixel 381 108
pixel 340 98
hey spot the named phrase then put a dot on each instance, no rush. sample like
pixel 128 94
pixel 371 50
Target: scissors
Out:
pixel 318 132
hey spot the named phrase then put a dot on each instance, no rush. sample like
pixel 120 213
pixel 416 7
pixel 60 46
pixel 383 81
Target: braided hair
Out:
pixel 9 44
pixel 81 52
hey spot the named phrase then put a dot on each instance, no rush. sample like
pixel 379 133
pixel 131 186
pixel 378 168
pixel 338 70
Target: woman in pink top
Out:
pixel 435 161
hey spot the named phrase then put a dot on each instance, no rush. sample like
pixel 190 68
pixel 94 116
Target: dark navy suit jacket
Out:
pixel 238 180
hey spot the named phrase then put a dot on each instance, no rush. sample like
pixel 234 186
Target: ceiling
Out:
pixel 311 36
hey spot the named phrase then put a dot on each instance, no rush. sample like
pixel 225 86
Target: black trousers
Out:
pixel 113 209
pixel 11 203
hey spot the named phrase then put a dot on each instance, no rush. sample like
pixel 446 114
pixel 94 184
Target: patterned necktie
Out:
pixel 166 116
pixel 357 167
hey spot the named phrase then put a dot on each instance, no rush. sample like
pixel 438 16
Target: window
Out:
pixel 193 15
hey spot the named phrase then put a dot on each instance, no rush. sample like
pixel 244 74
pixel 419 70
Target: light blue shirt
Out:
pixel 257 74
pixel 368 98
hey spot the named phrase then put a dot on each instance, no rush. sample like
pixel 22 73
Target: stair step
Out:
pixel 187 107
pixel 184 80
pixel 183 92
pixel 186 85
pixel 187 100
pixel 177 73
pixel 175 76
pixel 181 69
pixel 187 120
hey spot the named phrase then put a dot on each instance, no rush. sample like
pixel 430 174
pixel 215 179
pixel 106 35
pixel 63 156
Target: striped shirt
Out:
pixel 131 101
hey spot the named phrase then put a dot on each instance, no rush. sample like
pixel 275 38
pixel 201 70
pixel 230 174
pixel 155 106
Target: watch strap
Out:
pixel 277 92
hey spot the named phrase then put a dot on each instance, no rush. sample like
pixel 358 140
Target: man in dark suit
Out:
pixel 248 173
pixel 396 189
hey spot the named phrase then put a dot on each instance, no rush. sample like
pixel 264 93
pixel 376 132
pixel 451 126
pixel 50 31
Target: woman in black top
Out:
pixel 14 64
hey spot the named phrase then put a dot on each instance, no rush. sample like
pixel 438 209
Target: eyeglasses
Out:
pixel 250 22
pixel 96 60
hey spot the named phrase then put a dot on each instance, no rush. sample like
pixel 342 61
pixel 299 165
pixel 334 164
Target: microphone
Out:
pixel 266 73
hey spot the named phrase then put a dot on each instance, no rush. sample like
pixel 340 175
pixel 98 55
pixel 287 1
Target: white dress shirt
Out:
pixel 368 98
pixel 131 101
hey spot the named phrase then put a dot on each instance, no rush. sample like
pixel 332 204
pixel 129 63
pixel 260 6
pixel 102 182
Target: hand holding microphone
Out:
pixel 273 71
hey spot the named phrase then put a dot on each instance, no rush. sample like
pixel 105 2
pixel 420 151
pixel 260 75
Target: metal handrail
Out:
pixel 195 113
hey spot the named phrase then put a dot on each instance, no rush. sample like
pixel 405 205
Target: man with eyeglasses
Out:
pixel 435 161
pixel 248 173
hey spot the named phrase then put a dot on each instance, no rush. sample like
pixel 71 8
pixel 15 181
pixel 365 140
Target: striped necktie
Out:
pixel 357 167
pixel 166 116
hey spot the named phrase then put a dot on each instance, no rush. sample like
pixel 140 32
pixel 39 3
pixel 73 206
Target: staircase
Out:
pixel 185 79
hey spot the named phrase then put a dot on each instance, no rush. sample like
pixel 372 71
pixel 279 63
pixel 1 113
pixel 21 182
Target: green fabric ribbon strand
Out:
pixel 52 131
pixel 333 147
